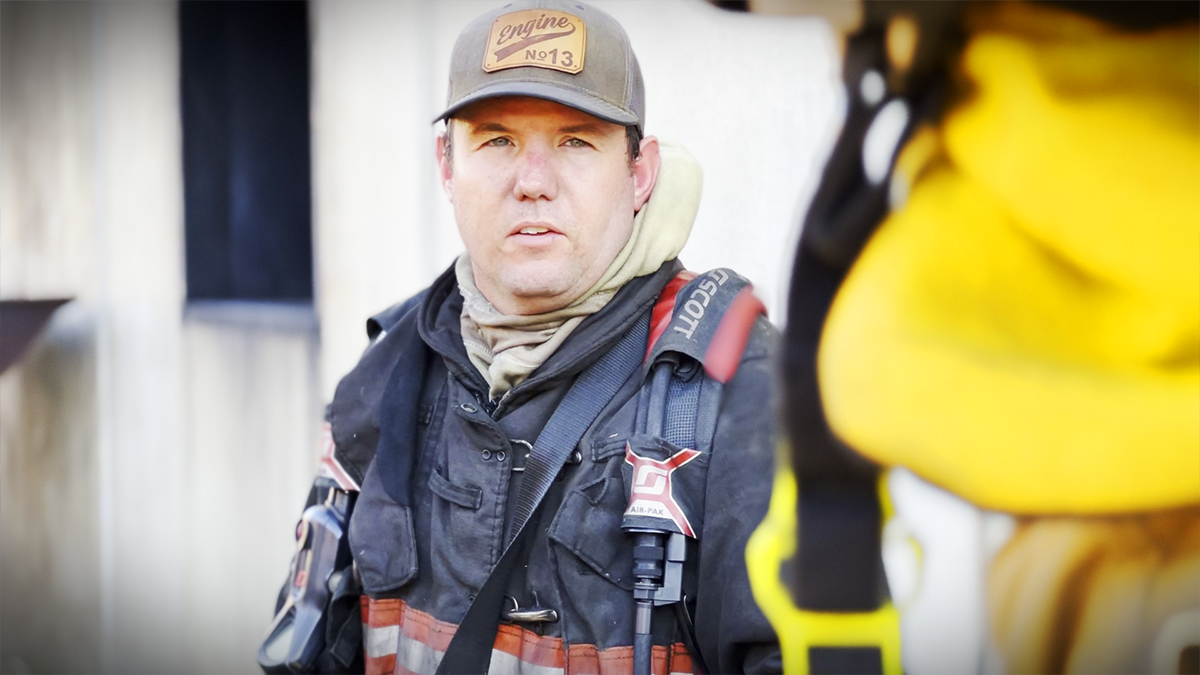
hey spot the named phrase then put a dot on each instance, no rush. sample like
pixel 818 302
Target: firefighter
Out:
pixel 572 220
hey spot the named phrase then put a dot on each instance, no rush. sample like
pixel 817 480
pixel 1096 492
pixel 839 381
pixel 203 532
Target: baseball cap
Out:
pixel 566 52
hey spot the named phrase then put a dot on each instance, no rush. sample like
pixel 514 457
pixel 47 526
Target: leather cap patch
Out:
pixel 541 38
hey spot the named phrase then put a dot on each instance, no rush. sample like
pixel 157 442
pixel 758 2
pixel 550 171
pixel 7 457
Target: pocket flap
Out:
pixel 382 538
pixel 385 548
pixel 466 496
pixel 588 524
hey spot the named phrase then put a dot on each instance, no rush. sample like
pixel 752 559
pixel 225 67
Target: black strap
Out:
pixel 593 389
pixel 470 651
pixel 688 402
pixel 688 633
pixel 838 566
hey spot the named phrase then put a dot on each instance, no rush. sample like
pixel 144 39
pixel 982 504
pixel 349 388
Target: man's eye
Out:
pixel 498 142
pixel 576 143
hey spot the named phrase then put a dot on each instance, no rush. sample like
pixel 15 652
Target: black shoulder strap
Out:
pixel 593 389
pixel 470 651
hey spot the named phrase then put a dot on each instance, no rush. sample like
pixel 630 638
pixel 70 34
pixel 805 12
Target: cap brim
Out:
pixel 548 92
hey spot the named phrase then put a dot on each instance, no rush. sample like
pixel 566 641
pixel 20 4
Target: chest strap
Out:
pixel 470 651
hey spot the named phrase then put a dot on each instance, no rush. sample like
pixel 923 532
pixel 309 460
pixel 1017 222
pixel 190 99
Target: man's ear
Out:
pixel 645 172
pixel 443 162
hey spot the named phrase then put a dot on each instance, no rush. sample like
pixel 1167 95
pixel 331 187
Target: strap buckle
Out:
pixel 878 629
pixel 533 614
pixel 521 455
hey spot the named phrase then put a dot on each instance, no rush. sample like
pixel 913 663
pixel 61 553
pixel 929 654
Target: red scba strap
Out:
pixel 724 352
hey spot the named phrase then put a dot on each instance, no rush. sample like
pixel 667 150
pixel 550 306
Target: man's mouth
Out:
pixel 534 229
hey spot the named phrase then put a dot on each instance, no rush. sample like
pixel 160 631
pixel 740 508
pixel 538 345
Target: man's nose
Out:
pixel 536 178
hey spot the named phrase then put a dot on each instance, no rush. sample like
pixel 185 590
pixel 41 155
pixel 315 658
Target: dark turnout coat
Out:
pixel 421 563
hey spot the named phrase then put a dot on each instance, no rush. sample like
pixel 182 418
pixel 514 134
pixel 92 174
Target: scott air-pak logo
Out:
pixel 541 38
pixel 650 495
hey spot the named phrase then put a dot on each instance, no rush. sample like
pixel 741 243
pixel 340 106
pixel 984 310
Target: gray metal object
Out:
pixel 297 634
pixel 20 322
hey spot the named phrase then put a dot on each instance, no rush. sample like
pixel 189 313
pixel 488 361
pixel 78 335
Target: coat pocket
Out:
pixel 382 539
pixel 671 496
pixel 466 496
pixel 588 524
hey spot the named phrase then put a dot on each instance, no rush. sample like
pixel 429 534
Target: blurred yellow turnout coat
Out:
pixel 1025 331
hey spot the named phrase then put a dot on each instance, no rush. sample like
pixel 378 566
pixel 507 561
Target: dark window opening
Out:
pixel 244 76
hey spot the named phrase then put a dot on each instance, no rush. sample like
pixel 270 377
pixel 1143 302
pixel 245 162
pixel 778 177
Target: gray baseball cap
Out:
pixel 566 52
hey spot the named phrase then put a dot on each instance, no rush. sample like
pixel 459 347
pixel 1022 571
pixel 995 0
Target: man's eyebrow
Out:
pixel 488 127
pixel 585 128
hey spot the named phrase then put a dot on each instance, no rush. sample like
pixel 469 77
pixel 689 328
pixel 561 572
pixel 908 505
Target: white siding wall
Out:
pixel 151 466
pixel 49 545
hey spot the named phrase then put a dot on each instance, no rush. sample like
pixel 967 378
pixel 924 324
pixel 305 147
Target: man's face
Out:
pixel 544 197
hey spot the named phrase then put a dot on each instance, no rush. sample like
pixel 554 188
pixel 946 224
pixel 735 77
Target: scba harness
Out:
pixel 676 421
pixel 687 348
